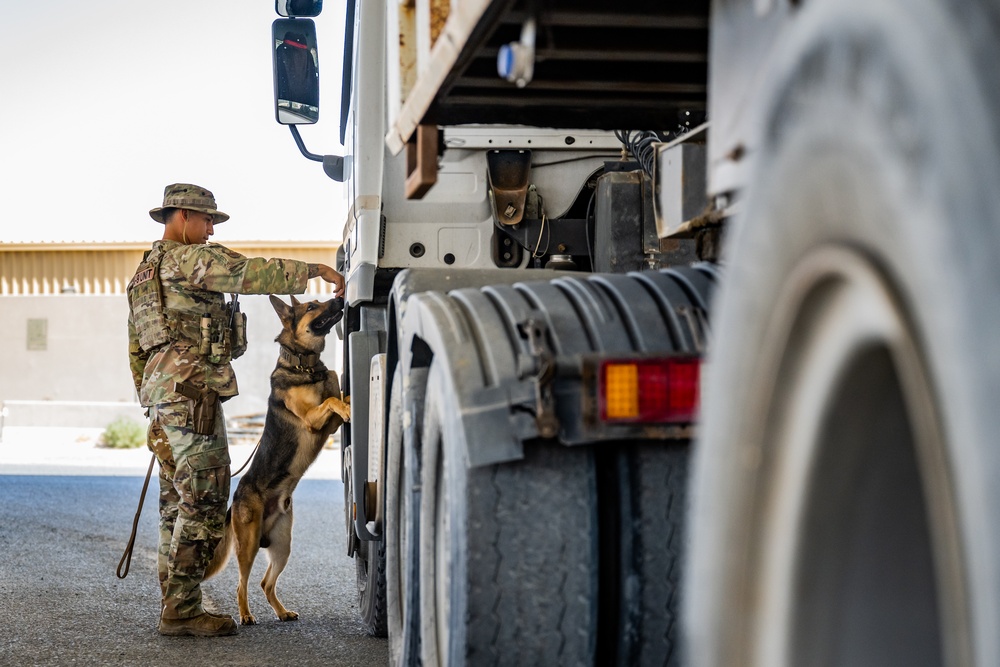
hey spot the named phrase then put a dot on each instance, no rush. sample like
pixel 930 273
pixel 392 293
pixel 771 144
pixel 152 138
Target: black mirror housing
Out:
pixel 302 8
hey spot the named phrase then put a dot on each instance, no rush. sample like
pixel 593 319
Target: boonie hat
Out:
pixel 191 197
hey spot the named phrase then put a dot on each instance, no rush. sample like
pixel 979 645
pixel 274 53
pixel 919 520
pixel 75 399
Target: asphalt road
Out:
pixel 61 603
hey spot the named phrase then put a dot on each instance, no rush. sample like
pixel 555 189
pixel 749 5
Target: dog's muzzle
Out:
pixel 322 325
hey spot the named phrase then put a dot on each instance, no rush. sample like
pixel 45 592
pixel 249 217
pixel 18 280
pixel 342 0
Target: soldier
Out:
pixel 182 336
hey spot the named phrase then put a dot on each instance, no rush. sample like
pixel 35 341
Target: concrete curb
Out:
pixel 32 450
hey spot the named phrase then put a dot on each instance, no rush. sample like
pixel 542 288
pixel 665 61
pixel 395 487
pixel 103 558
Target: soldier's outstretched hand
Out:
pixel 330 275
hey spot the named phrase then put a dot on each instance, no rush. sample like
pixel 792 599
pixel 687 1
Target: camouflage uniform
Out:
pixel 194 469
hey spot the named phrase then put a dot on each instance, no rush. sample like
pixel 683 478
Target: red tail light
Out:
pixel 649 390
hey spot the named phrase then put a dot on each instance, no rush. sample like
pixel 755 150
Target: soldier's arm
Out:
pixel 218 269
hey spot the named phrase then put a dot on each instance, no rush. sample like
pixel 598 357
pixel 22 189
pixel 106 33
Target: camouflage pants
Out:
pixel 194 492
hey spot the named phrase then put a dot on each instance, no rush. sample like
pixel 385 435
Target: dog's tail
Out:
pixel 223 550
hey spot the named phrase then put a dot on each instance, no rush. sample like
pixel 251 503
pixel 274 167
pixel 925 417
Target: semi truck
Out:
pixel 670 327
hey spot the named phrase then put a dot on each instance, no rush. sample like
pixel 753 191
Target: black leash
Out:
pixel 249 459
pixel 126 560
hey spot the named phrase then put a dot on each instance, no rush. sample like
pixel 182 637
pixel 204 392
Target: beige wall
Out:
pixel 63 339
pixel 96 268
pixel 81 376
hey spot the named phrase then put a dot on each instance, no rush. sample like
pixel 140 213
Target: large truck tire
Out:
pixel 846 505
pixel 508 552
pixel 369 565
pixel 650 486
pixel 402 516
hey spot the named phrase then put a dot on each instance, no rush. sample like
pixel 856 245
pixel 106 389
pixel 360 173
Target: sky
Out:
pixel 103 103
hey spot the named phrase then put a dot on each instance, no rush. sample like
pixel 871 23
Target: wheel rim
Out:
pixel 853 417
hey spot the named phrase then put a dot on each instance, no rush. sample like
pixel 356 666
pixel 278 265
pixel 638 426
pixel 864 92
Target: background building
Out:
pixel 63 315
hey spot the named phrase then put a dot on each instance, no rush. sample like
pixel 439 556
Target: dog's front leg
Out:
pixel 318 417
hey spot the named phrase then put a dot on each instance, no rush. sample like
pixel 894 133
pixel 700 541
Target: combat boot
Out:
pixel 202 625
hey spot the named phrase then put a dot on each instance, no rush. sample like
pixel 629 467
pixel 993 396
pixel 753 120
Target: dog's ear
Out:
pixel 295 302
pixel 280 307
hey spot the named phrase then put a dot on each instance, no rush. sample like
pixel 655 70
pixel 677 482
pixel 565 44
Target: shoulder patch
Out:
pixel 141 276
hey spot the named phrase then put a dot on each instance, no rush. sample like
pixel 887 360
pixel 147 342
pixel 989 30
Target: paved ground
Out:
pixel 75 451
pixel 62 536
pixel 66 508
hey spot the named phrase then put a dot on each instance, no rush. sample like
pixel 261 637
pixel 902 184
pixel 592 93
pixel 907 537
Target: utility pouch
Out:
pixel 220 349
pixel 236 335
pixel 216 339
pixel 204 405
pixel 239 331
pixel 205 344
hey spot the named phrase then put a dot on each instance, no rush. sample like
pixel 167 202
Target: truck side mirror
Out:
pixel 296 71
pixel 292 8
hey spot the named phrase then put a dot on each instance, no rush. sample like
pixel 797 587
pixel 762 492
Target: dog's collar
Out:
pixel 306 362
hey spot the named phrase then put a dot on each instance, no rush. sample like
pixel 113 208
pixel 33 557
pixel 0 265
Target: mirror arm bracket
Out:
pixel 333 165
pixel 302 146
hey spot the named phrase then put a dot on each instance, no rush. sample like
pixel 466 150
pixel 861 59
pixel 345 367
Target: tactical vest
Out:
pixel 219 333
pixel 145 298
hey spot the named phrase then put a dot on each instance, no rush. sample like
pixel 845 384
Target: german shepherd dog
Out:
pixel 304 408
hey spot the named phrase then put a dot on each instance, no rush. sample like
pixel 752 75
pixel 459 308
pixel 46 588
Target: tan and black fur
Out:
pixel 304 408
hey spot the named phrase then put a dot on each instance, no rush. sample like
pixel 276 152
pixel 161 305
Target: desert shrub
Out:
pixel 123 433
